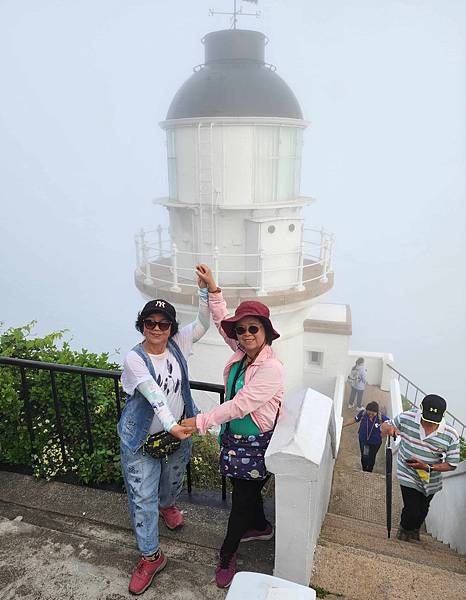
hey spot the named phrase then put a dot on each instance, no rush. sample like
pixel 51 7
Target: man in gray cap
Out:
pixel 428 447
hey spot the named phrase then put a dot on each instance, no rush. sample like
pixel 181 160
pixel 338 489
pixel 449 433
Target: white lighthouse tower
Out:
pixel 234 142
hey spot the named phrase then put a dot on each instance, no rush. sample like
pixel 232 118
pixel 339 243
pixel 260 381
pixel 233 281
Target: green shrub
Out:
pixel 462 449
pixel 204 462
pixel 48 458
pixel 100 466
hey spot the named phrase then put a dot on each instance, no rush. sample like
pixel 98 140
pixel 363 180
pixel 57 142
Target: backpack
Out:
pixel 353 377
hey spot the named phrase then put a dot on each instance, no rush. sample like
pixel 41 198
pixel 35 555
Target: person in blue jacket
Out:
pixel 370 439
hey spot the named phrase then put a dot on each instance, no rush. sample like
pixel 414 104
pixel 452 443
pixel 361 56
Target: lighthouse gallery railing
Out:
pixel 155 250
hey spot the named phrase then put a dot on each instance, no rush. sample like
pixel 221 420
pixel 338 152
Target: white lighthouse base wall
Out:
pixel 376 363
pixel 310 359
pixel 325 356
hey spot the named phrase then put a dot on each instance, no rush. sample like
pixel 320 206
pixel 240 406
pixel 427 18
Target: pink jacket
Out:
pixel 263 382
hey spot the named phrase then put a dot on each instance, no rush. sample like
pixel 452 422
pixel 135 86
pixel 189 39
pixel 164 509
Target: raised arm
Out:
pixel 193 332
pixel 217 304
pixel 202 321
pixel 391 427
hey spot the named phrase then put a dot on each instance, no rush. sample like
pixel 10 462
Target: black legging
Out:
pixel 415 509
pixel 367 462
pixel 247 512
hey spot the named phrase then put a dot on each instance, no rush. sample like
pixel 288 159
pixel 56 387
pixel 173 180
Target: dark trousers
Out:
pixel 356 395
pixel 368 461
pixel 415 509
pixel 247 512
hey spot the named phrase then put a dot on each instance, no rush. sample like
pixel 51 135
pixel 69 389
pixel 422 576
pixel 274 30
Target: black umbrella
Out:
pixel 388 483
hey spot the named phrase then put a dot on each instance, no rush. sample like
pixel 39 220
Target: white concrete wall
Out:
pixel 338 399
pixel 447 515
pixel 211 353
pixel 335 358
pixel 396 404
pixel 251 163
pixel 301 454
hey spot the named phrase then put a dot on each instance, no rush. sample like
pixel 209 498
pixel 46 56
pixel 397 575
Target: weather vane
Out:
pixel 236 12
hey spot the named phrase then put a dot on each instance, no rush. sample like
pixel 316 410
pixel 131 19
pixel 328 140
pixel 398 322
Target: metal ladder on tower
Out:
pixel 206 234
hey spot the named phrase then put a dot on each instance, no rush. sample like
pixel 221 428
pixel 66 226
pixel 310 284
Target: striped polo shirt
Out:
pixel 442 445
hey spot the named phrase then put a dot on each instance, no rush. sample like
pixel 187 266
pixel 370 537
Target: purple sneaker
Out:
pixel 225 570
pixel 254 534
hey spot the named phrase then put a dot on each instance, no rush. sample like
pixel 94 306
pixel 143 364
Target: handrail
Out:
pixel 454 421
pixel 22 364
pixel 163 255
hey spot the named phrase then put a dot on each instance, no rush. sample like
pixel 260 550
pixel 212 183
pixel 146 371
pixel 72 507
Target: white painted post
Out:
pixel 215 257
pixel 140 248
pixel 175 287
pixel 330 252
pixel 325 260
pixel 300 287
pixel 159 235
pixel 261 291
pixel 322 244
pixel 145 260
pixel 138 252
pixel 301 454
pixel 387 373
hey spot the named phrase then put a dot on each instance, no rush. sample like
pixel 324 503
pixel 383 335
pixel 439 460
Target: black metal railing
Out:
pixel 84 373
pixel 413 395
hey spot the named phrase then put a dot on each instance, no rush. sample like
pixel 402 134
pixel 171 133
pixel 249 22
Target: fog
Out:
pixel 383 84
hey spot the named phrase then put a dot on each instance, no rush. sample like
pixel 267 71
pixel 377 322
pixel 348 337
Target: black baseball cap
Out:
pixel 159 306
pixel 433 407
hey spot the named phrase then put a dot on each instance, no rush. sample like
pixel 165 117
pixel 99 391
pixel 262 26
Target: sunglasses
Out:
pixel 162 325
pixel 242 330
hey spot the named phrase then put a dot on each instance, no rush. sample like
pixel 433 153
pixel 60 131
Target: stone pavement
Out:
pixel 355 560
pixel 59 541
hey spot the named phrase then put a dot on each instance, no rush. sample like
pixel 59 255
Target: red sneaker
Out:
pixel 145 572
pixel 255 534
pixel 225 570
pixel 172 516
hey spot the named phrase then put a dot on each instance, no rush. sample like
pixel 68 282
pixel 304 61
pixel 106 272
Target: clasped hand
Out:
pixel 181 432
pixel 190 424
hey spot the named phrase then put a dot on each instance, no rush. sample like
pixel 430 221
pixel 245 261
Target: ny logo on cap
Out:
pixel 160 303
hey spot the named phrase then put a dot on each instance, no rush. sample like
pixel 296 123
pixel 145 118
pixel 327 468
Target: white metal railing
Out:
pixel 155 251
pixel 413 395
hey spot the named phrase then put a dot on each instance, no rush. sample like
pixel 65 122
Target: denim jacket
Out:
pixel 136 417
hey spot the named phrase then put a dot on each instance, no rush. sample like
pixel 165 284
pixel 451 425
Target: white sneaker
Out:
pixel 350 405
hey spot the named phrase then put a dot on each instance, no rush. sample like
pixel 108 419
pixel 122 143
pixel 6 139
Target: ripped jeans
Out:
pixel 151 482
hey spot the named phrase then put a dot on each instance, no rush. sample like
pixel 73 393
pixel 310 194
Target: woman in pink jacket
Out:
pixel 254 389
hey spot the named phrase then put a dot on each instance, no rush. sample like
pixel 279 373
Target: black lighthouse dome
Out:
pixel 234 81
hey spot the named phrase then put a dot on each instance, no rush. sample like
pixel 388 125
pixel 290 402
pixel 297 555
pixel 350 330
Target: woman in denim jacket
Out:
pixel 155 377
pixel 254 389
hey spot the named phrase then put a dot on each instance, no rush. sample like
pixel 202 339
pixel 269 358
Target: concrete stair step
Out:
pixel 360 574
pixel 373 538
pixel 361 495
pixel 63 507
pixel 355 560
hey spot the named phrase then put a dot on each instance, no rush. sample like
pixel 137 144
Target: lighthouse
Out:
pixel 234 136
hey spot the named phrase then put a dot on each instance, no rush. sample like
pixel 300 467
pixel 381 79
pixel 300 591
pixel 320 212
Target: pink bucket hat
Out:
pixel 248 308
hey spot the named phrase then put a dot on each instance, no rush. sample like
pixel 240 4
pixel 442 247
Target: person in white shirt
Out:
pixel 155 377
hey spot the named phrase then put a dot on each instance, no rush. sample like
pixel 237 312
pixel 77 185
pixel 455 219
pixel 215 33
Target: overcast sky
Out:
pixel 84 85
